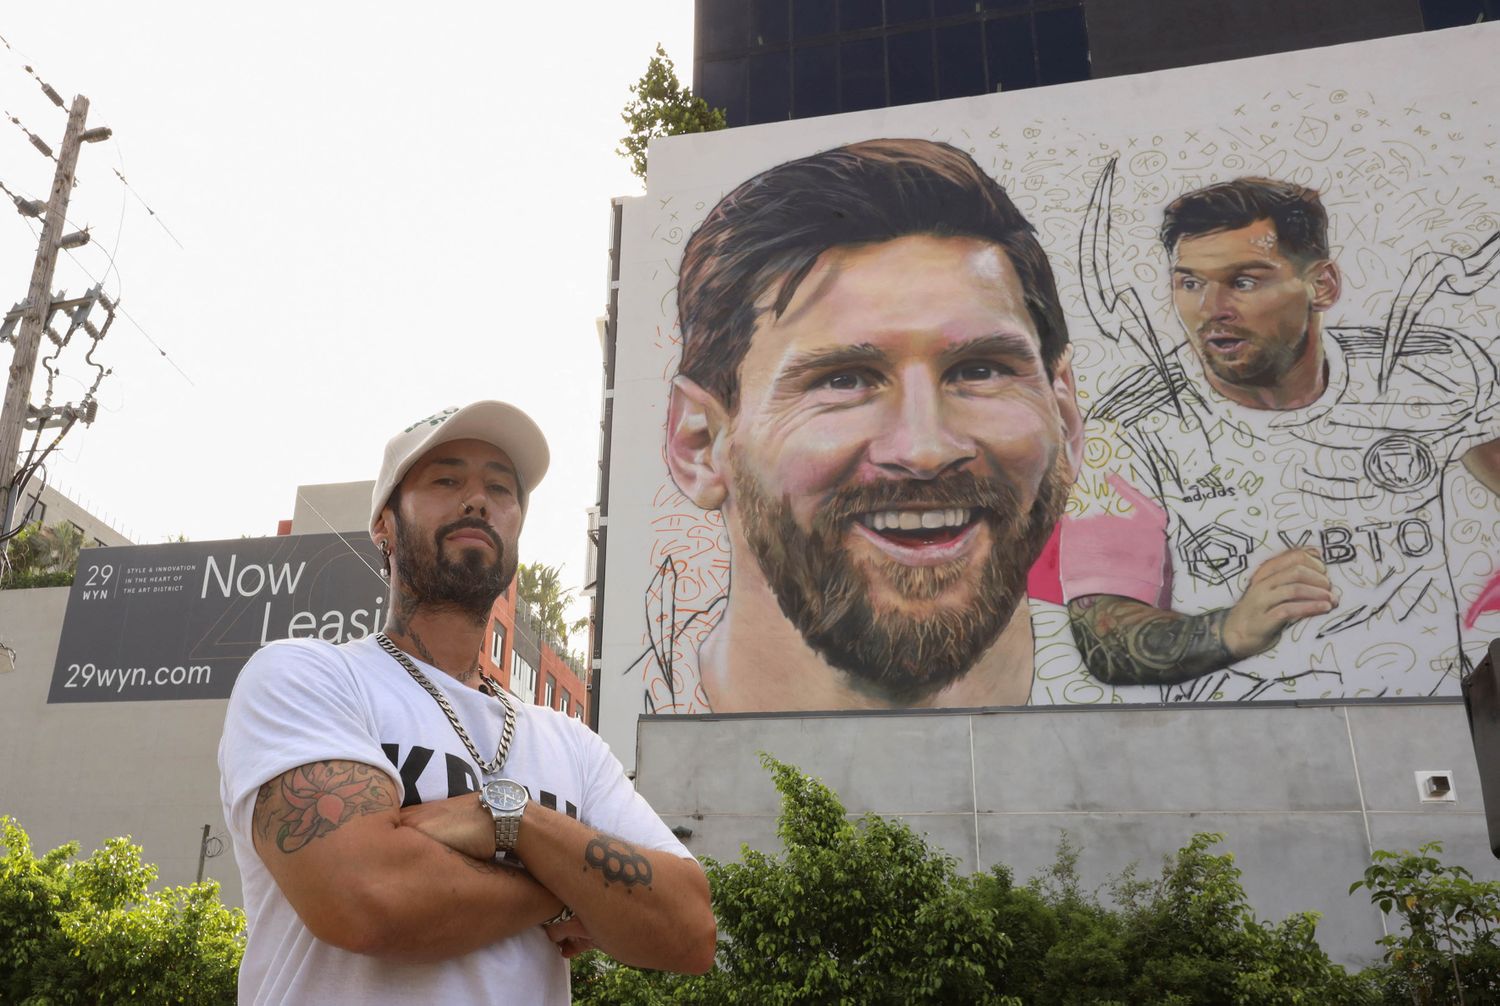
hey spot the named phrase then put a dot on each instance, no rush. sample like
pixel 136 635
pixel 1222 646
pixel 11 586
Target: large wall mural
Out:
pixel 1178 387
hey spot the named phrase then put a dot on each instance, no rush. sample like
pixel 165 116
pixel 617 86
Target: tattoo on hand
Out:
pixel 1127 642
pixel 314 800
pixel 618 861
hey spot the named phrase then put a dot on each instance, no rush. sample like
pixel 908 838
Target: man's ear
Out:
pixel 1065 388
pixel 695 420
pixel 1327 283
pixel 384 527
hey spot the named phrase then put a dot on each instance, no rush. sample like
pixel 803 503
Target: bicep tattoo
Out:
pixel 619 861
pixel 1127 642
pixel 315 799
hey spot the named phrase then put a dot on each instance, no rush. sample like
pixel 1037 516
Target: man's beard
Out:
pixel 468 583
pixel 1263 363
pixel 902 657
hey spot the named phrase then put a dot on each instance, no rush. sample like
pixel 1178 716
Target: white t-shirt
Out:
pixel 303 700
pixel 1357 475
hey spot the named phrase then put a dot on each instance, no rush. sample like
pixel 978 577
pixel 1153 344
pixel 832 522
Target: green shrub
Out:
pixel 90 932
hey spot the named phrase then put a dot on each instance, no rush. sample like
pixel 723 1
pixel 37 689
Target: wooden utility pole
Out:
pixel 37 308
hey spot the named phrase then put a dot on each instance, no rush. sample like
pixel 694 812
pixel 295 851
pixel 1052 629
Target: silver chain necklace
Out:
pixel 507 732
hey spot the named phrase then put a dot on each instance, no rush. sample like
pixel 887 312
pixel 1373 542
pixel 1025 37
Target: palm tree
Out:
pixel 540 586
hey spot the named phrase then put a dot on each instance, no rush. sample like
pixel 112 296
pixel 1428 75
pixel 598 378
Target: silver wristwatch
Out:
pixel 505 799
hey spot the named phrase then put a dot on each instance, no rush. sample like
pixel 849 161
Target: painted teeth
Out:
pixel 913 520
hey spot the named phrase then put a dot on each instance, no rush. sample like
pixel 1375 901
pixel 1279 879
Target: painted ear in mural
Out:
pixel 695 418
pixel 1327 283
pixel 1066 389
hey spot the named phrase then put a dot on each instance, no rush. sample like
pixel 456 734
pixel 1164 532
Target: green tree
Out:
pixel 1449 951
pixel 89 932
pixel 661 106
pixel 850 912
pixel 541 587
pixel 41 556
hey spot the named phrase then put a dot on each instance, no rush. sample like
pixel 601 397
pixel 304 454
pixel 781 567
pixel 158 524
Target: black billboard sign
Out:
pixel 154 622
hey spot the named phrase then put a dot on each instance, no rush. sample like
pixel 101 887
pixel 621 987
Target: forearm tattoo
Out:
pixel 1126 642
pixel 619 861
pixel 314 800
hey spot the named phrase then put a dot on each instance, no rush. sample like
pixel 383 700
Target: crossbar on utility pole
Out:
pixel 37 307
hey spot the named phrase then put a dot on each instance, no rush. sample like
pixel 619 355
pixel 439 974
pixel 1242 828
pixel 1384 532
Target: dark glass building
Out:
pixel 768 60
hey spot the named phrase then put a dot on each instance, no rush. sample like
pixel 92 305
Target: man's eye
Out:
pixel 1188 283
pixel 1244 283
pixel 845 380
pixel 499 489
pixel 979 372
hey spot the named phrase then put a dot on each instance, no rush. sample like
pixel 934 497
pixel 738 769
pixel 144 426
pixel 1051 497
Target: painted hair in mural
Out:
pixel 876 392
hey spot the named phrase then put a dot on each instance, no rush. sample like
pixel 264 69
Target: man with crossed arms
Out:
pixel 372 871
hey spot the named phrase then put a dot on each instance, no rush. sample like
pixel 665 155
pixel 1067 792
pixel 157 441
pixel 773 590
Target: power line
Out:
pixel 160 223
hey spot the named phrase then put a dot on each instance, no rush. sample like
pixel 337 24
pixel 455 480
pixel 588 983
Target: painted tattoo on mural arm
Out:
pixel 619 862
pixel 1127 642
pixel 314 800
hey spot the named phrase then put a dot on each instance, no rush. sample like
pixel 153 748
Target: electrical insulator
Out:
pixel 75 240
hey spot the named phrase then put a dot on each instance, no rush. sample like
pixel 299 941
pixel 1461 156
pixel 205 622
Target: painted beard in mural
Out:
pixel 465 582
pixel 824 593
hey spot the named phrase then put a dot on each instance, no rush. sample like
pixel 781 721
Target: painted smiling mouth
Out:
pixel 920 527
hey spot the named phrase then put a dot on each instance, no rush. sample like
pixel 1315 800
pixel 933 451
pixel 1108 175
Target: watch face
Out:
pixel 505 795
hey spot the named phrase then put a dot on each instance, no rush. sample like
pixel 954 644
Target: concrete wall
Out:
pixel 92 771
pixel 333 506
pixel 1303 793
pixel 1137 36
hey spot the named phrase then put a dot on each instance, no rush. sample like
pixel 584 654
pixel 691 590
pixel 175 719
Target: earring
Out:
pixel 385 553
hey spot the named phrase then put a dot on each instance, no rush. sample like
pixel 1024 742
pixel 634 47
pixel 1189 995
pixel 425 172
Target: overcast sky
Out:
pixel 381 213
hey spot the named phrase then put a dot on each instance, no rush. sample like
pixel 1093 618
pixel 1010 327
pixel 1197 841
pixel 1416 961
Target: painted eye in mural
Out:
pixel 978 373
pixel 845 380
pixel 1244 284
pixel 1190 283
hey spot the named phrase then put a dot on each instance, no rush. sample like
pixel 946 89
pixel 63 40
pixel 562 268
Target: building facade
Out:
pixel 771 60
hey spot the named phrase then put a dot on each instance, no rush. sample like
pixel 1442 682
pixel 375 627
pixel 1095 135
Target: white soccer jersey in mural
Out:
pixel 1357 477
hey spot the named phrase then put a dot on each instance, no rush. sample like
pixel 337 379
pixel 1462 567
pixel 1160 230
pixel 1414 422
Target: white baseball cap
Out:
pixel 497 423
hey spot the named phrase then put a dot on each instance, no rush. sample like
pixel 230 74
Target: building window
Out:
pixel 563 702
pixel 522 677
pixel 497 643
pixel 551 690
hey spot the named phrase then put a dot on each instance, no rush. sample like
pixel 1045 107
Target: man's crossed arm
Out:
pixel 421 884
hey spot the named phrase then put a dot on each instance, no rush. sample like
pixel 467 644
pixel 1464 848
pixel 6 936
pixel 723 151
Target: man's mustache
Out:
pixel 1208 327
pixel 467 523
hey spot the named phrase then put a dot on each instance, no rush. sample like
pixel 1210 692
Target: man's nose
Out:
pixel 1219 301
pixel 920 439
pixel 476 502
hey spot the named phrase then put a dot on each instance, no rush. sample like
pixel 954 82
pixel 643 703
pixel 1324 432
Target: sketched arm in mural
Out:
pixel 1129 642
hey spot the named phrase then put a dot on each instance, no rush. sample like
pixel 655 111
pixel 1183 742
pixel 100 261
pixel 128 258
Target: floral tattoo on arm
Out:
pixel 314 800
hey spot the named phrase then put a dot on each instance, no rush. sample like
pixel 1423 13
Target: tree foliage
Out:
pixel 662 106
pixel 89 932
pixel 541 587
pixel 41 557
pixel 1449 951
pixel 864 912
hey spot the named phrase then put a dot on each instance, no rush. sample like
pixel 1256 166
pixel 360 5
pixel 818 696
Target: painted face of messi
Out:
pixel 899 456
pixel 1247 307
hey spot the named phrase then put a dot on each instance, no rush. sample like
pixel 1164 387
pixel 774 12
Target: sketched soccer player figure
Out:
pixel 1283 515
